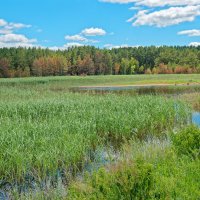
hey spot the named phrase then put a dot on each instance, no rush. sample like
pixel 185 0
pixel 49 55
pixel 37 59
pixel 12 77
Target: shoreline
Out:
pixel 142 85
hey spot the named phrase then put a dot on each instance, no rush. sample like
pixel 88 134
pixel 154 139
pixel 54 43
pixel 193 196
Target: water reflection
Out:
pixel 196 118
pixel 138 90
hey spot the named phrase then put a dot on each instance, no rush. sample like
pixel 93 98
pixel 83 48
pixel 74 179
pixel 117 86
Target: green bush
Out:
pixel 124 180
pixel 187 141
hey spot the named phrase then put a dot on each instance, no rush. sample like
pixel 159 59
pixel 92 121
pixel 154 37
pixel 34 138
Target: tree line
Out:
pixel 87 60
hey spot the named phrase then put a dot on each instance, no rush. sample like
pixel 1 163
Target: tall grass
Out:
pixel 48 133
pixel 41 134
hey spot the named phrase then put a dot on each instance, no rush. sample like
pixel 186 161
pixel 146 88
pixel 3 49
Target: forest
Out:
pixel 88 60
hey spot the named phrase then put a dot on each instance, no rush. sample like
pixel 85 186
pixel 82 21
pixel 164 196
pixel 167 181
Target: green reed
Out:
pixel 43 131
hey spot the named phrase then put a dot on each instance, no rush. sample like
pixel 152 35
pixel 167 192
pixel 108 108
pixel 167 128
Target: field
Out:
pixel 72 81
pixel 56 144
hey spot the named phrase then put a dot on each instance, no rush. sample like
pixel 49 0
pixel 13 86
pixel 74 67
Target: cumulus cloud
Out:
pixel 73 44
pixel 162 3
pixel 135 8
pixel 16 38
pixel 191 33
pixel 167 12
pixel 93 32
pixel 166 17
pixel 12 26
pixel 156 3
pixel 5 31
pixel 66 46
pixel 77 37
pixel 81 38
pixel 111 46
pixel 3 22
pixel 8 28
pixel 194 44
pixel 9 39
pixel 9 45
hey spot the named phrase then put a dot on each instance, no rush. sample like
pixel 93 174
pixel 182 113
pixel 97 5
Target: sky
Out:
pixel 60 24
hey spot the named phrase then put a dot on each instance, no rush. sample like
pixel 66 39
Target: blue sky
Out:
pixel 102 23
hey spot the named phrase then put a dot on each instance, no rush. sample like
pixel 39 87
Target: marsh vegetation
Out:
pixel 57 144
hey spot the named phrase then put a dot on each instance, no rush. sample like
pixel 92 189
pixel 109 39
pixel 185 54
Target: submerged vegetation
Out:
pixel 50 138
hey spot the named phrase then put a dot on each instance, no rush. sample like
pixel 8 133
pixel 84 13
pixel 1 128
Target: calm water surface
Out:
pixel 196 118
pixel 138 90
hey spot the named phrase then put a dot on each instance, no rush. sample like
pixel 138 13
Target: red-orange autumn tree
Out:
pixel 49 66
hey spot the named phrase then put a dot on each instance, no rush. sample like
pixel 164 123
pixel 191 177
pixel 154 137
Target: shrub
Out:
pixel 187 141
pixel 124 180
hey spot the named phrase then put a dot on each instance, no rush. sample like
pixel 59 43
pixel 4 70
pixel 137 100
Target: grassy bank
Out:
pixel 105 80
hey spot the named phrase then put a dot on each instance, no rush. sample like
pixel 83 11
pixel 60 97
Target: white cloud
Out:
pixel 8 28
pixel 66 46
pixel 135 8
pixel 195 44
pixel 16 26
pixel 16 38
pixel 9 39
pixel 9 45
pixel 3 22
pixel 174 11
pixel 111 46
pixel 5 31
pixel 81 38
pixel 73 44
pixel 191 33
pixel 77 37
pixel 162 3
pixel 166 17
pixel 55 48
pixel 93 32
pixel 156 3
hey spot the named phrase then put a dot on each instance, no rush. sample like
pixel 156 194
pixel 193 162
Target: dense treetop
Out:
pixel 87 60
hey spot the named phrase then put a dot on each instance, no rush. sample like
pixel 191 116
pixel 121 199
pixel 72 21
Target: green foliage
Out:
pixel 150 170
pixel 123 180
pixel 187 141
pixel 87 60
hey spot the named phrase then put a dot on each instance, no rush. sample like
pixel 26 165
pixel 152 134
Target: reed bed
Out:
pixel 42 134
pixel 49 133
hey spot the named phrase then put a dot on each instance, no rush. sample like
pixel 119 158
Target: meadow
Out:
pixel 73 81
pixel 49 137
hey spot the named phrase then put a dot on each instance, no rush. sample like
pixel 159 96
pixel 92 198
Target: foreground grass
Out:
pixel 150 170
